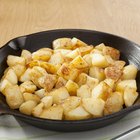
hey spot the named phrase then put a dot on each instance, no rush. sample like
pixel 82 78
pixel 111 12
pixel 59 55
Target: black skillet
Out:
pixel 130 52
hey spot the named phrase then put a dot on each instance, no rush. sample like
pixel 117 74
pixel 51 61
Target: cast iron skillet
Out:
pixel 130 52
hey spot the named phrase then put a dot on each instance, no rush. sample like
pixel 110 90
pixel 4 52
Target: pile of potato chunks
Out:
pixel 72 81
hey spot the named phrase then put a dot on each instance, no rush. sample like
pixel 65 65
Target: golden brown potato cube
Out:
pixel 14 60
pixel 81 79
pixel 28 96
pixel 110 82
pixel 129 72
pixel 62 43
pixel 99 60
pixel 43 55
pixel 78 113
pixel 27 86
pixel 25 76
pixel 14 96
pixel 122 85
pixel 76 43
pixel 63 52
pixel 94 106
pixel 114 103
pixel 56 58
pixel 19 70
pixel 47 82
pixel 60 82
pixel 11 76
pixel 71 103
pixel 37 110
pixel 114 53
pixel 97 73
pixel 53 113
pixel 100 47
pixel 3 85
pixel 27 107
pixel 110 60
pixel 130 95
pixel 71 87
pixel 40 93
pixel 119 64
pixel 59 95
pixel 85 50
pixel 84 91
pixel 102 90
pixel 79 63
pixel 48 101
pixel 88 59
pixel 67 72
pixel 27 56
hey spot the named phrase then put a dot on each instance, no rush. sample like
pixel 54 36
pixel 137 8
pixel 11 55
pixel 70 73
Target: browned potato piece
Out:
pixel 27 107
pixel 102 90
pixel 114 53
pixel 28 96
pixel 114 103
pixel 88 59
pixel 37 110
pixel 78 113
pixel 47 82
pixel 71 87
pixel 54 113
pixel 67 72
pixel 27 86
pixel 27 56
pixel 48 101
pixel 100 47
pixel 59 95
pixel 40 93
pixel 94 106
pixel 73 54
pixel 14 60
pixel 71 103
pixel 130 95
pixel 60 82
pixel 14 96
pixel 85 50
pixel 63 52
pixel 81 79
pixel 111 83
pixel 97 73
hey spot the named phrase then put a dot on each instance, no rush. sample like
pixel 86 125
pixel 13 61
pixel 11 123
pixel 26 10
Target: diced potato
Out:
pixel 130 95
pixel 25 76
pixel 96 51
pixel 43 55
pixel 4 84
pixel 27 107
pixel 85 50
pixel 79 63
pixel 60 82
pixel 110 82
pixel 100 47
pixel 62 43
pixel 84 91
pixel 40 93
pixel 110 60
pixel 14 96
pixel 97 73
pixel 48 101
pixel 71 87
pixel 63 52
pixel 92 82
pixel 122 85
pixel 54 113
pixel 114 103
pixel 59 95
pixel 56 58
pixel 11 76
pixel 81 79
pixel 71 103
pixel 119 64
pixel 102 90
pixel 94 106
pixel 129 72
pixel 67 72
pixel 37 110
pixel 88 59
pixel 78 113
pixel 114 53
pixel 14 60
pixel 99 60
pixel 19 70
pixel 76 43
pixel 27 86
pixel 47 82
pixel 27 56
pixel 28 96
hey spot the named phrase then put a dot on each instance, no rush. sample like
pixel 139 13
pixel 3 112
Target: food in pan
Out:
pixel 72 81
